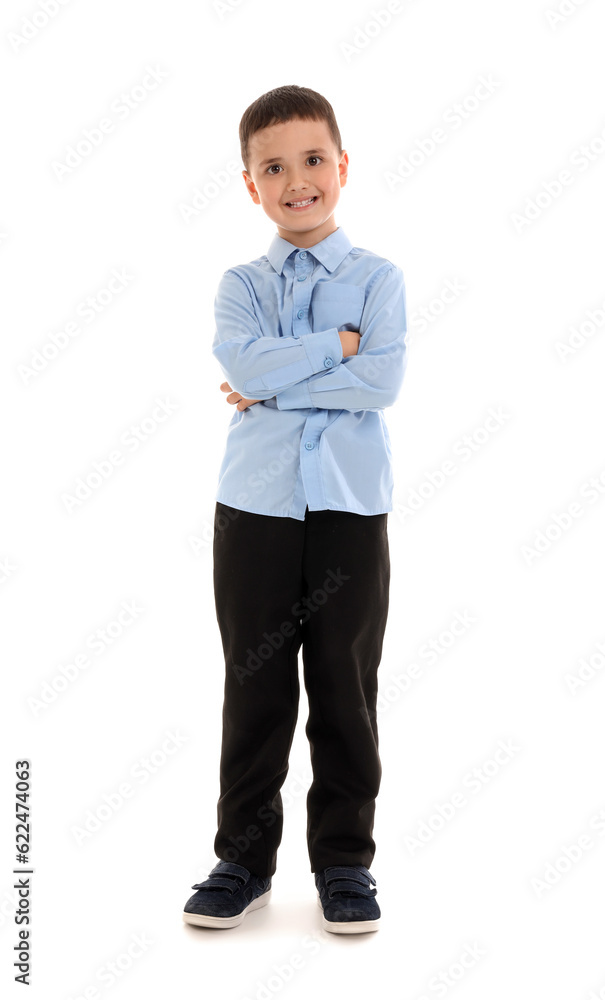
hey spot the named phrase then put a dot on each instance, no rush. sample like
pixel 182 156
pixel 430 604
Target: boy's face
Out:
pixel 294 175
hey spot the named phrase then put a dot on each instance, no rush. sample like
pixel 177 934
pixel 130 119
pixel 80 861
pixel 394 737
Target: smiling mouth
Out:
pixel 306 203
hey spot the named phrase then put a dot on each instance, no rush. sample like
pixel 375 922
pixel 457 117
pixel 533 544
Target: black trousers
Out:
pixel 280 583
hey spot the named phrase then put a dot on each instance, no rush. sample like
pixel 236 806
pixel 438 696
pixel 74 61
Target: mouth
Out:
pixel 302 204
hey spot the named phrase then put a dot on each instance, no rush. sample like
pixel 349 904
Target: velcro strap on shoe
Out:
pixel 349 880
pixel 348 886
pixel 230 868
pixel 335 871
pixel 225 875
pixel 217 882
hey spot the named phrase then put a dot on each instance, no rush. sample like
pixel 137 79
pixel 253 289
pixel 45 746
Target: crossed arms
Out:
pixel 327 369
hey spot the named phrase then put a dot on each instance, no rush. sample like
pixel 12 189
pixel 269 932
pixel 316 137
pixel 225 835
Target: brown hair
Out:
pixel 282 105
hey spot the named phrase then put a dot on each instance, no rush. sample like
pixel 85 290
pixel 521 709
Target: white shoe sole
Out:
pixel 205 920
pixel 347 926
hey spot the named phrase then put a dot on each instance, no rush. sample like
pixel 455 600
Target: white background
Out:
pixel 471 545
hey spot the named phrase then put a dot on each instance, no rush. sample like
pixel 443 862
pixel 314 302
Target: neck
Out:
pixel 308 238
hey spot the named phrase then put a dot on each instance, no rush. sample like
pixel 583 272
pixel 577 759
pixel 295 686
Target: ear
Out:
pixel 343 168
pixel 251 187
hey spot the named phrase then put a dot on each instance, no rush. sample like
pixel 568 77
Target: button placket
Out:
pixel 301 293
pixel 302 288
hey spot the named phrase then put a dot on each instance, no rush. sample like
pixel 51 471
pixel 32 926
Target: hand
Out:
pixel 350 342
pixel 235 397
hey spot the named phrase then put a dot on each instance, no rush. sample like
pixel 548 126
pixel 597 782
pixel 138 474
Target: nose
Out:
pixel 297 182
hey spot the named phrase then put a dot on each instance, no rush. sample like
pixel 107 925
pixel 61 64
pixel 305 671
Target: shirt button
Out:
pixel 309 445
pixel 302 277
pixel 328 363
pixel 303 254
pixel 300 313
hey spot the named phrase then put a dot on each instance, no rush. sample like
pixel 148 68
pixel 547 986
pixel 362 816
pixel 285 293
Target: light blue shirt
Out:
pixel 318 438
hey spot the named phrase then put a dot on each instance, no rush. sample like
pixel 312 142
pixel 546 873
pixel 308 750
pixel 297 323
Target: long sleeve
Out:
pixel 258 366
pixel 372 378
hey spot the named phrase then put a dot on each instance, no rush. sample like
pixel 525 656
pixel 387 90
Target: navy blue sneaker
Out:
pixel 226 896
pixel 346 897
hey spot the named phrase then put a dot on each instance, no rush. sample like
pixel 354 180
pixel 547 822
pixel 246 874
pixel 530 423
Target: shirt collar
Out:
pixel 330 252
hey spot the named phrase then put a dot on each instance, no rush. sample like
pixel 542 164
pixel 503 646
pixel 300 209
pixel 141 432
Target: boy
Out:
pixel 311 339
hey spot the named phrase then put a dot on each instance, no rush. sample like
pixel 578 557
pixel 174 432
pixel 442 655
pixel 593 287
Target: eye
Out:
pixel 270 167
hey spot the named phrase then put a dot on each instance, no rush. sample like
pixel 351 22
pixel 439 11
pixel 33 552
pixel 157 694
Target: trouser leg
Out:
pixel 257 583
pixel 346 570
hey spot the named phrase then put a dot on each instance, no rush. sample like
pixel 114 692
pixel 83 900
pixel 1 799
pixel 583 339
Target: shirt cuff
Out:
pixel 323 349
pixel 296 397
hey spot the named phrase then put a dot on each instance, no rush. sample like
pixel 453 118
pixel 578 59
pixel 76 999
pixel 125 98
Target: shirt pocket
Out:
pixel 336 304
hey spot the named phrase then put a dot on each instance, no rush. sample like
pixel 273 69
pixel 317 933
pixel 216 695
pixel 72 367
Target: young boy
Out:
pixel 311 339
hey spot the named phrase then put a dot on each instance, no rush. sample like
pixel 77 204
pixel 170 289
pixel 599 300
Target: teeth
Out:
pixel 298 204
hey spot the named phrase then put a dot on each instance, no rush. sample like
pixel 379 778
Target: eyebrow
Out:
pixel 274 159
